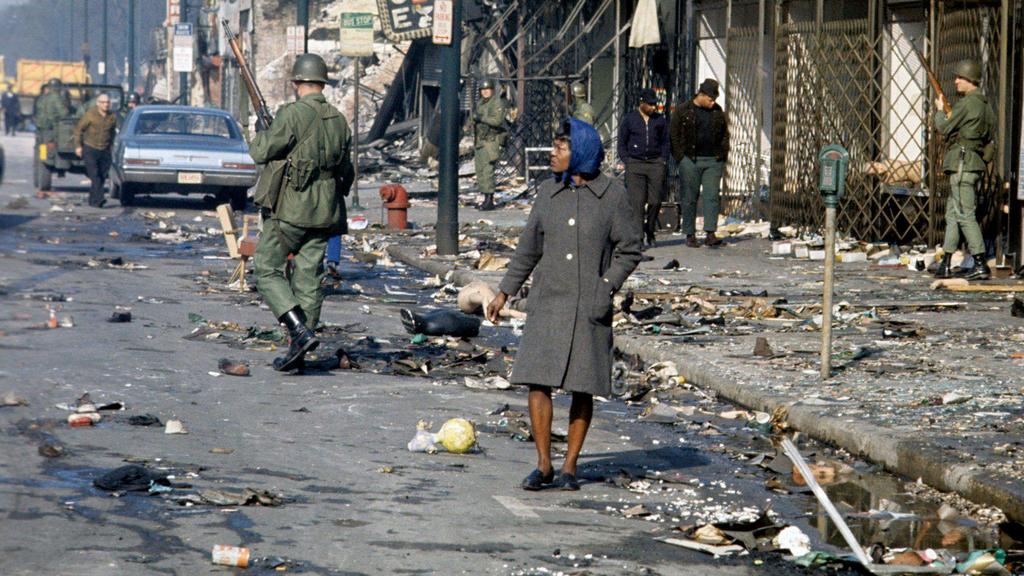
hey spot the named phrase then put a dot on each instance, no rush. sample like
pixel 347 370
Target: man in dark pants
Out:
pixel 700 144
pixel 94 134
pixel 643 148
pixel 12 110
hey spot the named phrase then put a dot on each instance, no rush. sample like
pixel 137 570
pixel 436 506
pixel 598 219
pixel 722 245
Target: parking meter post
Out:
pixel 833 161
pixel 826 304
pixel 355 146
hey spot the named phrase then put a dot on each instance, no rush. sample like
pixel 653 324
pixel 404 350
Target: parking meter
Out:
pixel 834 161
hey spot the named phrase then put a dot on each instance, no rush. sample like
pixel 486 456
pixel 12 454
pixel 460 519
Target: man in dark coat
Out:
pixel 12 110
pixel 643 149
pixel 581 242
pixel 700 144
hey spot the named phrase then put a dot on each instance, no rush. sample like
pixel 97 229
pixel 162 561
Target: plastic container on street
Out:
pixel 230 556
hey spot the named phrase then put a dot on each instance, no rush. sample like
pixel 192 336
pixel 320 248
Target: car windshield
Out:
pixel 185 124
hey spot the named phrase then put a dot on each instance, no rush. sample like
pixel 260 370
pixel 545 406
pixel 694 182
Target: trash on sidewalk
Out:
pixel 457 436
pixel 175 427
pixel 793 539
pixel 491 383
pixel 247 497
pixel 144 420
pixel 440 323
pixel 12 399
pixel 230 556
pixel 80 419
pixel 490 262
pixel 120 315
pixel 232 367
pixel 49 450
pixel 130 478
pixel 762 348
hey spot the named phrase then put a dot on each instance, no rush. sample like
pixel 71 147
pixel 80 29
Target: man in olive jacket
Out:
pixel 489 132
pixel 310 208
pixel 969 129
pixel 700 143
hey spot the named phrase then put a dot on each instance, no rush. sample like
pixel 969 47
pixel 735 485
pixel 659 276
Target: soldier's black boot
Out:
pixel 981 270
pixel 944 270
pixel 488 202
pixel 302 340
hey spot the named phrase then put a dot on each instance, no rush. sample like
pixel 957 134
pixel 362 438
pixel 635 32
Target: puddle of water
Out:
pixel 923 529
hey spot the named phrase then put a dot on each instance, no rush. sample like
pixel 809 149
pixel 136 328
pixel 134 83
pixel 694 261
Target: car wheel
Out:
pixel 239 198
pixel 127 194
pixel 44 179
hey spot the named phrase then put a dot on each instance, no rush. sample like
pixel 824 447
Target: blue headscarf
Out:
pixel 587 150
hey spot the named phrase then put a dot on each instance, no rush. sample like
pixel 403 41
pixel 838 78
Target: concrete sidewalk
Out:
pixel 926 383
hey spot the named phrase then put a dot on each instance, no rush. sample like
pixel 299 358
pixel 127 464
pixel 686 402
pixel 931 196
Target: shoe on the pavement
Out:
pixel 691 241
pixel 302 340
pixel 944 270
pixel 980 271
pixel 537 480
pixel 488 203
pixel 711 240
pixel 566 481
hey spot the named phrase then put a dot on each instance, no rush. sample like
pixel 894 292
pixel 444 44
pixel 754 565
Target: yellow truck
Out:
pixel 32 74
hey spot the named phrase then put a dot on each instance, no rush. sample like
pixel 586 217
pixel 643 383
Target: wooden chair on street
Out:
pixel 240 245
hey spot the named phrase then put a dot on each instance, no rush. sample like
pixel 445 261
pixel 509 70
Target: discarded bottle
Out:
pixel 52 322
pixel 231 556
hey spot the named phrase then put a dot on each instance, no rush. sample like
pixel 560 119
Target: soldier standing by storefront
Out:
pixel 643 149
pixel 582 110
pixel 310 208
pixel 969 129
pixel 490 132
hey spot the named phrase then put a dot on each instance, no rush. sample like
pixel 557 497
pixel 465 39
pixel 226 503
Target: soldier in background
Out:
pixel 50 110
pixel 969 129
pixel 310 208
pixel 490 131
pixel 12 110
pixel 582 110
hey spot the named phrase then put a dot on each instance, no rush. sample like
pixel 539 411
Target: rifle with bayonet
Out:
pixel 933 79
pixel 263 116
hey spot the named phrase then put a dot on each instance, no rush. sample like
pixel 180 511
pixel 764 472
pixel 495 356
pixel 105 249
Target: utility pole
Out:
pixel 103 51
pixel 302 19
pixel 447 228
pixel 131 46
pixel 183 77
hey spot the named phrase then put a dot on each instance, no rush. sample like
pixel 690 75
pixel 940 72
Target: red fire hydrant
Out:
pixel 396 200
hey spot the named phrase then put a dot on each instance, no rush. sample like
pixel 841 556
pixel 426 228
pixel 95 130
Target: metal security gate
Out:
pixel 858 82
pixel 742 171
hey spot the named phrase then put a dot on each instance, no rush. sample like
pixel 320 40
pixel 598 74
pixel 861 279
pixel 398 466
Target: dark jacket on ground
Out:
pixel 683 131
pixel 639 140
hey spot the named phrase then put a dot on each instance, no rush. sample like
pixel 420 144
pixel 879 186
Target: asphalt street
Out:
pixel 331 443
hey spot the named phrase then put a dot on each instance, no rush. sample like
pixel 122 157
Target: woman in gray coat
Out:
pixel 581 243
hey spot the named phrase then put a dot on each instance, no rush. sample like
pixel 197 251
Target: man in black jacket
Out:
pixel 700 144
pixel 643 148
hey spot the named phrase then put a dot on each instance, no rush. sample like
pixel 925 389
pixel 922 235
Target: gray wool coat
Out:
pixel 580 244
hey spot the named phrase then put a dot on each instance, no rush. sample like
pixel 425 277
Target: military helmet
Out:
pixel 579 90
pixel 54 83
pixel 968 70
pixel 133 98
pixel 309 68
pixel 487 84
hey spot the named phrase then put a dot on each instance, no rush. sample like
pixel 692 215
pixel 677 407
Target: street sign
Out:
pixel 184 56
pixel 357 28
pixel 443 22
pixel 406 19
pixel 296 40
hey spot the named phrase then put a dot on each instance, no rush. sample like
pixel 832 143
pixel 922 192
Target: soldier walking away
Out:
pixel 12 110
pixel 94 136
pixel 582 110
pixel 490 132
pixel 969 129
pixel 581 243
pixel 50 110
pixel 315 138
pixel 700 145
pixel 643 149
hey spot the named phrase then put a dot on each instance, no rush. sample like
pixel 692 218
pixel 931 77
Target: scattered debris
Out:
pixel 121 315
pixel 440 323
pixel 12 399
pixel 230 556
pixel 130 478
pixel 175 427
pixel 232 367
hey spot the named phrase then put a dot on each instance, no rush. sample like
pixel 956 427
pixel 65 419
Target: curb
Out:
pixel 902 452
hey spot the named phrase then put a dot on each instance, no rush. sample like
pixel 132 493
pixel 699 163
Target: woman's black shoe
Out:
pixel 566 481
pixel 537 479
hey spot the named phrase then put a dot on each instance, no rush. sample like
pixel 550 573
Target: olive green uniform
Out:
pixel 311 205
pixel 584 112
pixel 50 110
pixel 490 133
pixel 969 128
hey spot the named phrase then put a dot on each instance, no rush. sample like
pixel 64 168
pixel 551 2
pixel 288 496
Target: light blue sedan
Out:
pixel 183 150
